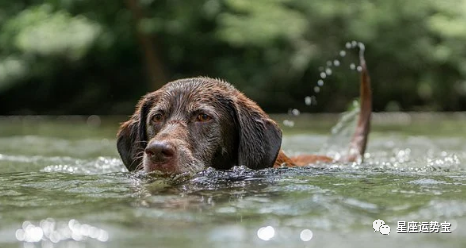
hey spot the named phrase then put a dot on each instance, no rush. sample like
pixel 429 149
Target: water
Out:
pixel 63 185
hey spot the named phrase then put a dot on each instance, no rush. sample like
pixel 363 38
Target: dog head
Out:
pixel 191 124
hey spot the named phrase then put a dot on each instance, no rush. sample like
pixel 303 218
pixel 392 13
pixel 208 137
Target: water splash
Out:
pixel 341 133
pixel 326 72
pixel 100 165
pixel 288 123
pixel 308 100
pixel 51 231
pixel 295 112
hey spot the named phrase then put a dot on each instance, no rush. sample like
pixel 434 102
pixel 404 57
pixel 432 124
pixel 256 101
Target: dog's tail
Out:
pixel 358 142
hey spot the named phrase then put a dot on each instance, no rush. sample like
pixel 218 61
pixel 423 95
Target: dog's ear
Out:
pixel 132 136
pixel 260 137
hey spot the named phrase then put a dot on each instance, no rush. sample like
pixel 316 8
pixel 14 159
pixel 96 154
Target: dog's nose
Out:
pixel 160 151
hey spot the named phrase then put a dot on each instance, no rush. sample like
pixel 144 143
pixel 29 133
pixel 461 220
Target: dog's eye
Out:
pixel 203 117
pixel 157 117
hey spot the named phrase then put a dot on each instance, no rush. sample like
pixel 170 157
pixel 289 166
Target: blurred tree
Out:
pixel 85 56
pixel 153 64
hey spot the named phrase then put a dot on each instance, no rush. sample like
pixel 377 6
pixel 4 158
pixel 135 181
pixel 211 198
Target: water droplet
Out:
pixel 20 235
pixel 49 230
pixel 93 121
pixel 359 68
pixel 342 53
pixel 266 233
pixel 354 43
pixel 288 123
pixel 26 224
pixel 94 232
pixel 328 71
pixel 352 66
pixel 308 100
pixel 348 45
pixel 103 236
pixel 323 75
pixel 317 89
pixel 314 100
pixel 295 112
pixel 361 46
pixel 329 63
pixel 336 62
pixel 34 234
pixel 306 235
pixel 320 82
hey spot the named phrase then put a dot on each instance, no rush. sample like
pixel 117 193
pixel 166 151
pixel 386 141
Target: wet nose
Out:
pixel 160 151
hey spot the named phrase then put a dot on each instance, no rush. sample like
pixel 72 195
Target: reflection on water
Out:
pixel 50 231
pixel 66 189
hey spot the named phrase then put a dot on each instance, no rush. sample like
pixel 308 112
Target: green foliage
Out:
pixel 271 49
pixel 40 35
pixel 259 23
pixel 42 32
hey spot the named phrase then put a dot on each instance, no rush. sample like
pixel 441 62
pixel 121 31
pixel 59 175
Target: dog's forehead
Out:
pixel 194 93
pixel 198 89
pixel 199 84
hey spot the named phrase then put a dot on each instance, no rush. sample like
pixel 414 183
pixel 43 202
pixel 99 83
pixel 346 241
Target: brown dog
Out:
pixel 191 124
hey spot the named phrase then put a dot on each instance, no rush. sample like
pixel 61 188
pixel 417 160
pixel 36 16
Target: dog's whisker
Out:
pixel 140 166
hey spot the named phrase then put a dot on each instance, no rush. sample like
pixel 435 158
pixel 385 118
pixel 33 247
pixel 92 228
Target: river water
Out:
pixel 62 184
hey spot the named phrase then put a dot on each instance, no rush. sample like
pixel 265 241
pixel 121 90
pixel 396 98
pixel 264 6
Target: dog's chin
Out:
pixel 173 167
pixel 161 168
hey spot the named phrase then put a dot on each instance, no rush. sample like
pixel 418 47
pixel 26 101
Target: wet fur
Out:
pixel 240 132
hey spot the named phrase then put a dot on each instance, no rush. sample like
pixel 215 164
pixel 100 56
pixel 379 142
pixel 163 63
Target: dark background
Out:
pixel 100 57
